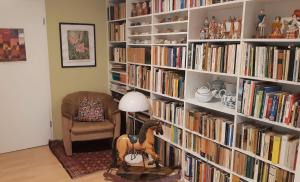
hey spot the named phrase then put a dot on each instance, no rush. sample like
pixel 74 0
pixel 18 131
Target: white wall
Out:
pixel 25 86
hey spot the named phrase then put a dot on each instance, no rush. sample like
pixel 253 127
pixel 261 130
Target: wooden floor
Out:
pixel 37 165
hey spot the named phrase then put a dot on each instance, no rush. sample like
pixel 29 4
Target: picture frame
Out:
pixel 77 45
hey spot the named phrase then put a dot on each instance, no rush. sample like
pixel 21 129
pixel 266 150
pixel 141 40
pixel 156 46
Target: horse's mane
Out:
pixel 143 131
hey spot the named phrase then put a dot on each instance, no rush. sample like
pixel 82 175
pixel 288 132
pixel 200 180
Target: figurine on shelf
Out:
pixel 134 10
pixel 261 25
pixel 223 32
pixel 276 28
pixel 139 9
pixel 231 31
pixel 213 28
pixel 203 34
pixel 145 8
pixel 294 26
pixel 237 28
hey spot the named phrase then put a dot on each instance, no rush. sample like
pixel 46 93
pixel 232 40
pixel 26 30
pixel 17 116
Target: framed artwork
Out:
pixel 78 45
pixel 12 45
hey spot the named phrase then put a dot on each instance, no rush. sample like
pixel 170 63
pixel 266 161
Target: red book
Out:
pixel 293 98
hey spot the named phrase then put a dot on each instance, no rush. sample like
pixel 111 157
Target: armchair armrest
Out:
pixel 114 116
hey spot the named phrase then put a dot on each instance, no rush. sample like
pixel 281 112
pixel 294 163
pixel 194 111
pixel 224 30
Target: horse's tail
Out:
pixel 114 153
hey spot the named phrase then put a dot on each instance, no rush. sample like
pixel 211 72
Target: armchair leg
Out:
pixel 68 147
pixel 67 137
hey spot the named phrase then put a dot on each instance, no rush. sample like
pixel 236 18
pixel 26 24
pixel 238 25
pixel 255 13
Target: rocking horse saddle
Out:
pixel 133 138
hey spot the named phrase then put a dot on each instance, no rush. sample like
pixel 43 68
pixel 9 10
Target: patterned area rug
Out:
pixel 85 159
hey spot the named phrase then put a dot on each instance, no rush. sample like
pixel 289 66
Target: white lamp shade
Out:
pixel 134 102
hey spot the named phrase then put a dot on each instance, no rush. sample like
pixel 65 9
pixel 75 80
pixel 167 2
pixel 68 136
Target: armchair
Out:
pixel 73 130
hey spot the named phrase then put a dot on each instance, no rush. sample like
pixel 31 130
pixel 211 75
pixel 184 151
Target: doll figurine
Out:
pixel 276 28
pixel 261 25
pixel 293 26
pixel 231 31
pixel 139 9
pixel 133 10
pixel 213 28
pixel 237 28
pixel 145 8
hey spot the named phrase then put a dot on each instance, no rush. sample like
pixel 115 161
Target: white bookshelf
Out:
pixel 248 11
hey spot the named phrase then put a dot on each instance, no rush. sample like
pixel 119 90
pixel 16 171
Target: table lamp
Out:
pixel 134 102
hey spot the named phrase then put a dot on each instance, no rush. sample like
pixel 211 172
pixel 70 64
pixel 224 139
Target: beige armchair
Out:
pixel 73 130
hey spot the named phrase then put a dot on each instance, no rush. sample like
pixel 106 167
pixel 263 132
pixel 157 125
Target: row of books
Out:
pixel 139 76
pixel 119 77
pixel 209 149
pixel 208 125
pixel 117 11
pixel 118 54
pixel 273 146
pixel 172 133
pixel 269 102
pixel 169 56
pixel 169 155
pixel 197 3
pixel 197 170
pixel 214 58
pixel 168 82
pixel 168 110
pixel 117 31
pixel 280 63
pixel 168 5
pixel 139 55
pixel 258 170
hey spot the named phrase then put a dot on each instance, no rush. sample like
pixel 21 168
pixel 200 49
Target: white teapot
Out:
pixel 204 93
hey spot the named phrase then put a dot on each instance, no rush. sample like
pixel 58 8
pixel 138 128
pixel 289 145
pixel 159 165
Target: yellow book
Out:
pixel 276 149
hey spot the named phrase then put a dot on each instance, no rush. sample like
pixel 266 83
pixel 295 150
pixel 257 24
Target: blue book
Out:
pixel 268 89
pixel 273 111
pixel 182 4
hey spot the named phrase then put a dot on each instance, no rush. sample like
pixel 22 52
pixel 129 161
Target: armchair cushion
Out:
pixel 89 127
pixel 90 109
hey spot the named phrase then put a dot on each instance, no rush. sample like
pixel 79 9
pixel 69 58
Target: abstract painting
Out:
pixel 12 45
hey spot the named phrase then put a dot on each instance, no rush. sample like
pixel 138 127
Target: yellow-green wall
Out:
pixel 67 80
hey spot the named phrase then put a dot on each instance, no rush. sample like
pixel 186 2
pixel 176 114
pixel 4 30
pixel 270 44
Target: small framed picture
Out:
pixel 77 44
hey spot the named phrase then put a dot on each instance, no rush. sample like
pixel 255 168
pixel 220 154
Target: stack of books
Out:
pixel 168 110
pixel 267 101
pixel 118 87
pixel 214 58
pixel 119 77
pixel 117 31
pixel 280 63
pixel 197 170
pixel 118 54
pixel 139 76
pixel 209 149
pixel 169 155
pixel 119 68
pixel 258 170
pixel 139 55
pixel 169 5
pixel 169 56
pixel 208 125
pixel 273 146
pixel 117 11
pixel 168 82
pixel 172 133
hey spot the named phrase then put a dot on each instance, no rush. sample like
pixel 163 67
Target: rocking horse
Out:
pixel 142 143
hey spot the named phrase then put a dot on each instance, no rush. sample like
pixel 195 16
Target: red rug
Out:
pixel 81 163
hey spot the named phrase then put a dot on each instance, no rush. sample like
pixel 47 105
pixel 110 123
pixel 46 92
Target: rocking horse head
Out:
pixel 151 124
